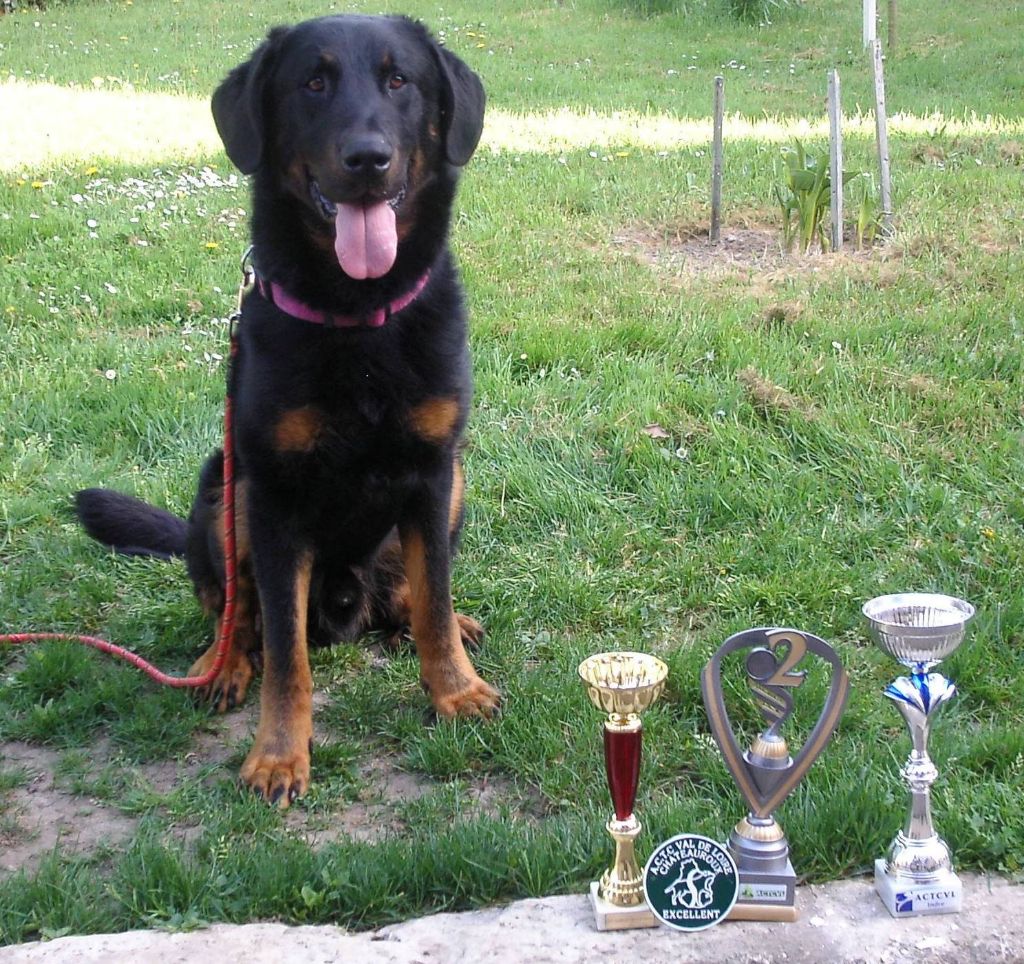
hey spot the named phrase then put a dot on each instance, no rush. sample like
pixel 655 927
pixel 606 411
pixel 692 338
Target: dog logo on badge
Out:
pixel 691 882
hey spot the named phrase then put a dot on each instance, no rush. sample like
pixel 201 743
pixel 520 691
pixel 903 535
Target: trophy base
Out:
pixel 767 897
pixel 905 898
pixel 611 917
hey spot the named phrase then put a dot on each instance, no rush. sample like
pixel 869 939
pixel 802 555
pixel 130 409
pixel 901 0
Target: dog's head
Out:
pixel 353 116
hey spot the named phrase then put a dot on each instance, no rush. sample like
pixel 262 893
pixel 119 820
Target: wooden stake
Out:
pixel 882 137
pixel 716 162
pixel 870 21
pixel 892 27
pixel 835 159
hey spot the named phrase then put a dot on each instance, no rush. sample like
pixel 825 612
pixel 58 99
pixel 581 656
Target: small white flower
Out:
pixel 110 287
pixel 110 374
pixel 92 223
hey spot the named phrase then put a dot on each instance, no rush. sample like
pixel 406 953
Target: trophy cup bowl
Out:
pixel 622 685
pixel 919 630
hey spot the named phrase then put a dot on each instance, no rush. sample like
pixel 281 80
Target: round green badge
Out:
pixel 691 882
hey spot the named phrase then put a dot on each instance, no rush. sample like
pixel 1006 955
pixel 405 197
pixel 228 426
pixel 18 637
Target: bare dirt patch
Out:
pixel 750 252
pixel 689 251
pixel 48 809
pixel 39 817
pixel 385 789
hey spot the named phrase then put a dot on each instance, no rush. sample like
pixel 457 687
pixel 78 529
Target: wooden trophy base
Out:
pixel 611 917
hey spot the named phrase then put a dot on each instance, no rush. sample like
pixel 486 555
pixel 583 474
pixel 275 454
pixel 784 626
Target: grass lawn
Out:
pixel 668 445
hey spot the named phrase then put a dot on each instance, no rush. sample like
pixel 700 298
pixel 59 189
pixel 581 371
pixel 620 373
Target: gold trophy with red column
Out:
pixel 623 685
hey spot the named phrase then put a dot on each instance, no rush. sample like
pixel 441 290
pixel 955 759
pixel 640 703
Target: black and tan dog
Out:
pixel 352 381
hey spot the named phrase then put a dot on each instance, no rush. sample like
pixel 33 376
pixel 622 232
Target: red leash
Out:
pixel 227 624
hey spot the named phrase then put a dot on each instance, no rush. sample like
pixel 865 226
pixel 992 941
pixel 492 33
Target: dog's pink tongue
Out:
pixel 366 241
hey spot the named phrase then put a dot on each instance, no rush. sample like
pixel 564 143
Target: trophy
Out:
pixel 623 685
pixel 767 773
pixel 918 629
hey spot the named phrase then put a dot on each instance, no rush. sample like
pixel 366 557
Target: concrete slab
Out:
pixel 840 923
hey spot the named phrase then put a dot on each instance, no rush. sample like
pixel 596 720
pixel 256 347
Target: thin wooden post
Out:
pixel 716 162
pixel 870 21
pixel 882 137
pixel 891 18
pixel 835 159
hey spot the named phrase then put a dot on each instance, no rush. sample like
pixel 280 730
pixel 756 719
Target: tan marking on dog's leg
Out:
pixel 446 671
pixel 278 763
pixel 458 490
pixel 472 632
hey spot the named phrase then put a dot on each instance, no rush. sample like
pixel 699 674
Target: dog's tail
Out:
pixel 129 525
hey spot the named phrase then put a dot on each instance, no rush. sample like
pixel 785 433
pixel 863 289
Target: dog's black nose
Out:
pixel 367 155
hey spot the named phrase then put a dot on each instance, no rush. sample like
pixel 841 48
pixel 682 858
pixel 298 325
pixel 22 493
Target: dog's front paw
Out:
pixel 228 688
pixel 279 777
pixel 470 630
pixel 475 698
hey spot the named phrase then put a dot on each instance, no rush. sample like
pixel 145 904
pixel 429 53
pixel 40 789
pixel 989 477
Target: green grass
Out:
pixel 897 465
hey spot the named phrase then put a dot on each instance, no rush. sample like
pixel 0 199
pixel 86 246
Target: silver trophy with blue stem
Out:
pixel 918 629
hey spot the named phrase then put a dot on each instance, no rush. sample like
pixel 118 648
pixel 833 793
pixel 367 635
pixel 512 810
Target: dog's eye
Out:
pixel 396 81
pixel 316 83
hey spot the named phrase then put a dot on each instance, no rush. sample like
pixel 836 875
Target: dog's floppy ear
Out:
pixel 462 107
pixel 238 105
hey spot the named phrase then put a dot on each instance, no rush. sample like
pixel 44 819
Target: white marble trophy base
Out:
pixel 903 898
